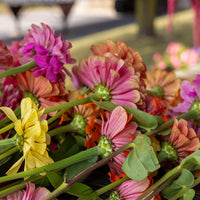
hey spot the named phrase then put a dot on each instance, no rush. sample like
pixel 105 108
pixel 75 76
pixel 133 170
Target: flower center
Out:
pixel 157 91
pixel 169 151
pixel 102 91
pixel 33 97
pixel 196 106
pixel 114 196
pixel 105 147
pixel 79 123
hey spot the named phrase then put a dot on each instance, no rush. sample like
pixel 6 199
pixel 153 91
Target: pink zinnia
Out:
pixel 112 79
pixel 48 50
pixel 174 48
pixel 30 194
pixel 116 131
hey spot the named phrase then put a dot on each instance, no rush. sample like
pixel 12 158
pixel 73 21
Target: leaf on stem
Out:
pixel 142 160
pixel 143 119
pixel 185 180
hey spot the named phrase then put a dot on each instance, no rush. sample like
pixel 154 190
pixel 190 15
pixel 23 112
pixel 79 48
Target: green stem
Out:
pixel 81 156
pixel 57 190
pixel 91 168
pixel 66 106
pixel 6 149
pixel 168 175
pixel 62 129
pixel 179 193
pixel 7 128
pixel 9 153
pixel 111 186
pixel 189 115
pixel 7 142
pixel 20 69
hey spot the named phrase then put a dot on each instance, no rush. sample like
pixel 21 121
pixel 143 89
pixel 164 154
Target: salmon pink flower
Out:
pixel 163 84
pixel 44 93
pixel 49 52
pixel 112 79
pixel 181 142
pixel 116 131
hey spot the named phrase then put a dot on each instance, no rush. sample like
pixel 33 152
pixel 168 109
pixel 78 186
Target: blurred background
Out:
pixel 139 23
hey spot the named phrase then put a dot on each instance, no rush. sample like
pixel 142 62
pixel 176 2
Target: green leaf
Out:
pixel 186 179
pixel 141 160
pixel 191 160
pixel 82 191
pixel 189 194
pixel 143 119
pixel 67 148
pixel 165 132
pixel 75 169
pixel 55 179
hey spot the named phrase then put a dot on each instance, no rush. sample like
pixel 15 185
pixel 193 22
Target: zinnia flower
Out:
pixel 116 131
pixel 44 93
pixel 163 84
pixel 130 189
pixel 31 193
pixel 121 51
pixel 31 136
pixel 85 119
pixel 181 142
pixel 49 52
pixel 110 78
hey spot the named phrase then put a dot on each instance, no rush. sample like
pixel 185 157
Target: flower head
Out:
pixel 130 189
pixel 116 131
pixel 44 93
pixel 163 84
pixel 112 79
pixel 181 142
pixel 31 136
pixel 49 52
pixel 190 94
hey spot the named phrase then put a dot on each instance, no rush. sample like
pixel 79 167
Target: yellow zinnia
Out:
pixel 31 136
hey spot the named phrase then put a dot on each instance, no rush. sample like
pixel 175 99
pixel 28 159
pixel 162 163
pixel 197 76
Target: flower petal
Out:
pixel 9 113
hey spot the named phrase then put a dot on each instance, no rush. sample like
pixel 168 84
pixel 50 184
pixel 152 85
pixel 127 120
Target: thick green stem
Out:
pixel 62 129
pixel 7 128
pixel 20 69
pixel 81 156
pixel 7 142
pixel 57 190
pixel 189 115
pixel 112 185
pixel 90 169
pixel 175 171
pixel 9 153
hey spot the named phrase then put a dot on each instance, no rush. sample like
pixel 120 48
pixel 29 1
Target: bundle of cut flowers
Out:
pixel 123 133
pixel 176 56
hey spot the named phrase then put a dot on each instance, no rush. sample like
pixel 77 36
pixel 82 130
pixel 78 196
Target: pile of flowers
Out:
pixel 176 56
pixel 122 133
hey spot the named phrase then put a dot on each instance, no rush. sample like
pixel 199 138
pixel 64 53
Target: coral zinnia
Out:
pixel 163 84
pixel 44 92
pixel 110 78
pixel 181 142
pixel 116 131
pixel 31 136
pixel 50 52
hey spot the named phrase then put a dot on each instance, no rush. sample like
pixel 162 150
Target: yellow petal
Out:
pixel 40 148
pixel 48 139
pixel 33 131
pixel 15 167
pixel 26 106
pixel 29 162
pixel 44 125
pixel 30 118
pixel 9 113
pixel 18 127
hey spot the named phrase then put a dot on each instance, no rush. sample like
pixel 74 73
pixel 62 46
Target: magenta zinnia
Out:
pixel 49 52
pixel 111 78
pixel 116 131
